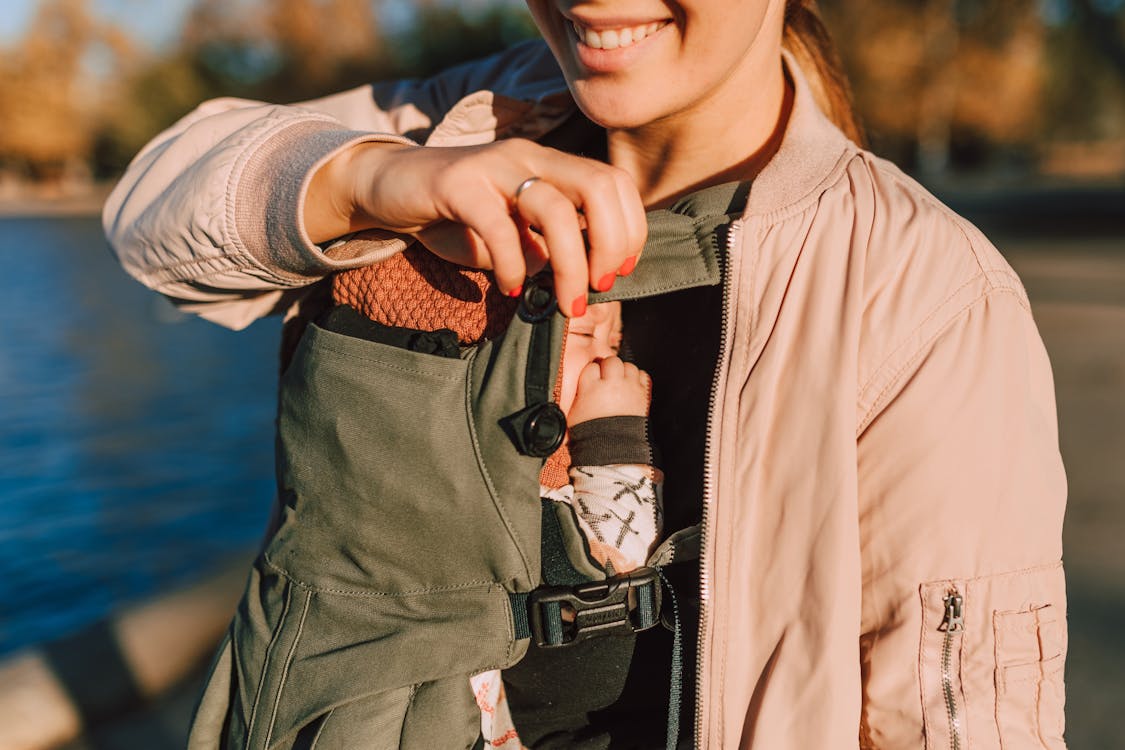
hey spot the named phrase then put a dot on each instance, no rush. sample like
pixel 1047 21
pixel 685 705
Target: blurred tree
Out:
pixel 443 36
pixel 283 51
pixel 949 72
pixel 44 96
pixel 319 42
pixel 1002 67
pixel 1086 81
pixel 1104 22
pixel 142 102
pixel 288 50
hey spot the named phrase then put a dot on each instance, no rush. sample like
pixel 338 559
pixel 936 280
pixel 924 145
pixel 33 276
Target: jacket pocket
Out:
pixel 991 662
pixel 1030 655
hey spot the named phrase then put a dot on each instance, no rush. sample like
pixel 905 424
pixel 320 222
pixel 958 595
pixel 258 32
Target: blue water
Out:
pixel 135 443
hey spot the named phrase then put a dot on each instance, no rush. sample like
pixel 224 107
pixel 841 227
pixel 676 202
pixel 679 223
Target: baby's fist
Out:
pixel 610 388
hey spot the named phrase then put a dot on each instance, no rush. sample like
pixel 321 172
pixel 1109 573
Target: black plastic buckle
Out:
pixel 627 603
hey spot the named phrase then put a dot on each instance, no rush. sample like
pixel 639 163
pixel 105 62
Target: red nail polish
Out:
pixel 516 292
pixel 578 309
pixel 628 266
pixel 606 282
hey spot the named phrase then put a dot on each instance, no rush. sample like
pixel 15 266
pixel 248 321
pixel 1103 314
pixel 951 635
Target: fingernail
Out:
pixel 516 292
pixel 578 309
pixel 606 282
pixel 628 266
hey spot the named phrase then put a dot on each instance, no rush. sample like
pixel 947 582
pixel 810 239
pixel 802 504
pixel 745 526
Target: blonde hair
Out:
pixel 808 40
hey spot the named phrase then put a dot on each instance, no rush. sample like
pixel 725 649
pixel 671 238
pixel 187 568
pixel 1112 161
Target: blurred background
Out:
pixel 136 444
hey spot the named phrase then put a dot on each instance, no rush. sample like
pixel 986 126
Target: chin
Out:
pixel 617 107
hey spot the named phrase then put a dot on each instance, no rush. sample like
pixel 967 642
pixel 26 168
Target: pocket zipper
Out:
pixel 952 624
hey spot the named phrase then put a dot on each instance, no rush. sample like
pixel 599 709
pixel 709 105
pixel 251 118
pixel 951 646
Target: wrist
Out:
pixel 335 202
pixel 367 168
pixel 611 440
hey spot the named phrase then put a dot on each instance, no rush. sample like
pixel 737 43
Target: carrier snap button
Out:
pixel 538 300
pixel 544 430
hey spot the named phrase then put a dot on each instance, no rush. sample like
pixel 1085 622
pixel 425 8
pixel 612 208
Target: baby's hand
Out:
pixel 610 388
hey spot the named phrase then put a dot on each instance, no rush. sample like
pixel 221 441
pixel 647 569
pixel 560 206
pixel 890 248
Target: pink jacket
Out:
pixel 882 532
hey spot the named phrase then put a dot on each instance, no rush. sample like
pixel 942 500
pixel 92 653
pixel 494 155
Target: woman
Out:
pixel 869 417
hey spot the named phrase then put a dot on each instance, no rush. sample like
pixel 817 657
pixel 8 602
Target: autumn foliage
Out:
pixel 938 83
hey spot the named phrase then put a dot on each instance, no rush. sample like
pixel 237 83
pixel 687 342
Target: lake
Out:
pixel 136 444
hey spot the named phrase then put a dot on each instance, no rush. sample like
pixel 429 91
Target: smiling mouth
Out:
pixel 625 36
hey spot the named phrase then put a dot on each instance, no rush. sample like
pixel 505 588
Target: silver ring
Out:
pixel 523 186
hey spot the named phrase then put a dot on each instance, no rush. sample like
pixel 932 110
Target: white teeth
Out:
pixel 615 38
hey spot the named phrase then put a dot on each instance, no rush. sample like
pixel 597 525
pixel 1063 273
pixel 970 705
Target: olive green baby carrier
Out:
pixel 410 549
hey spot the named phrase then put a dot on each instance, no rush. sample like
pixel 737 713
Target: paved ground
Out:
pixel 1077 289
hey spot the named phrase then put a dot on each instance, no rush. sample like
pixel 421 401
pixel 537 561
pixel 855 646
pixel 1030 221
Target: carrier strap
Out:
pixel 538 306
pixel 520 625
pixel 537 429
pixel 676 679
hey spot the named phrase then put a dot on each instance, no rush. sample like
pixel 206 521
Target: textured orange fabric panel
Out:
pixel 429 293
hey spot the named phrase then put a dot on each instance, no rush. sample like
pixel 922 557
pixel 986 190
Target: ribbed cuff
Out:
pixel 269 203
pixel 610 440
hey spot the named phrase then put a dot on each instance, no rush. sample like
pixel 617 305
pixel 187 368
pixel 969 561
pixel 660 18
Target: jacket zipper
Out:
pixel 953 624
pixel 710 479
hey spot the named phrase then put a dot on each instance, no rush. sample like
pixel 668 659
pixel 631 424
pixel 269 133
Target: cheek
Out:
pixel 549 23
pixel 568 391
pixel 719 35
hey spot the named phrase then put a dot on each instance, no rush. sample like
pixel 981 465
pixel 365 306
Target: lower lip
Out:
pixel 611 60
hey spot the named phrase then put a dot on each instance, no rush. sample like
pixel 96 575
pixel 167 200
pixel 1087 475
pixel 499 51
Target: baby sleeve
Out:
pixel 616 492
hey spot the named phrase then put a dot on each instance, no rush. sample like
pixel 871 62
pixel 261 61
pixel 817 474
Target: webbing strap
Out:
pixel 646 606
pixel 676 681
pixel 520 624
pixel 556 563
pixel 539 428
pixel 537 379
pixel 552 618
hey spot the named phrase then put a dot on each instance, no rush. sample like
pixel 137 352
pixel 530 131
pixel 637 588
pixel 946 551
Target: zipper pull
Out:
pixel 954 621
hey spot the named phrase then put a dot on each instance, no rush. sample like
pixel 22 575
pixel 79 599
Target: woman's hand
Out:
pixel 610 387
pixel 460 203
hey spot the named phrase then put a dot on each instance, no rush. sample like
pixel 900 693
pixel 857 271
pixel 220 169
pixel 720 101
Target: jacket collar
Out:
pixel 811 153
pixel 529 97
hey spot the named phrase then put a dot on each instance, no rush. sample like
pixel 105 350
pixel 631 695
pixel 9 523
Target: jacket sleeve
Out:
pixel 208 213
pixel 961 494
